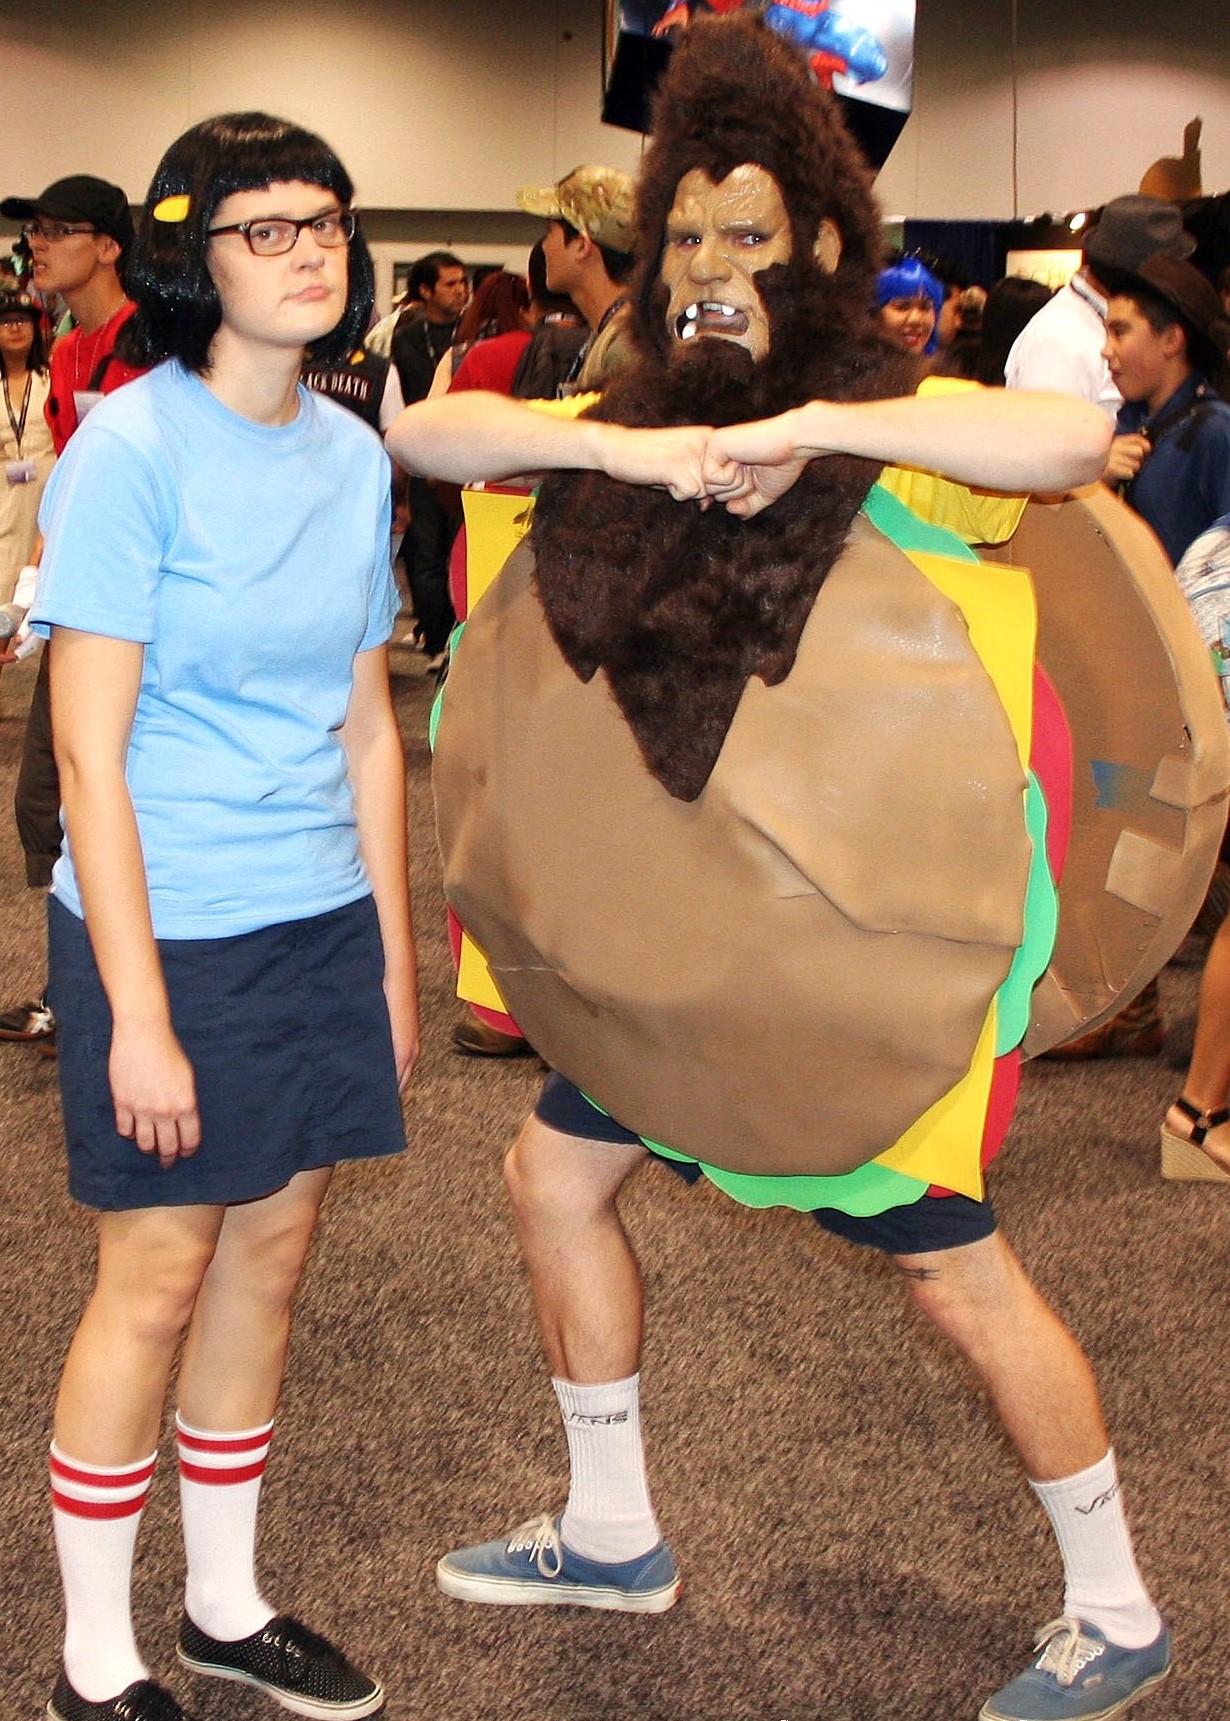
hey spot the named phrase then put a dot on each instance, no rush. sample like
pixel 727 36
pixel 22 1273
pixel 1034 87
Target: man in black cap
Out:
pixel 1060 348
pixel 78 231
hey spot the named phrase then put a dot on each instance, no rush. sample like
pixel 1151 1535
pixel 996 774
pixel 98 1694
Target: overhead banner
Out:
pixel 863 50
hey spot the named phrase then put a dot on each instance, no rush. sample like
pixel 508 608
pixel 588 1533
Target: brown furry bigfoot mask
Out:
pixel 680 606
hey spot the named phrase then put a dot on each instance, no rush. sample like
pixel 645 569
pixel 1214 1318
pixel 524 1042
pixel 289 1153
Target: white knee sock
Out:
pixel 1101 1581
pixel 219 1491
pixel 608 1515
pixel 96 1511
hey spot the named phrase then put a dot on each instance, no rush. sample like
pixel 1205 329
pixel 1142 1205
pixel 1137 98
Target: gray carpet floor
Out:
pixel 855 1536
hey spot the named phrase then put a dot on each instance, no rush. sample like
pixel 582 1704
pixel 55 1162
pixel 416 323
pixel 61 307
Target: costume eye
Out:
pixel 268 232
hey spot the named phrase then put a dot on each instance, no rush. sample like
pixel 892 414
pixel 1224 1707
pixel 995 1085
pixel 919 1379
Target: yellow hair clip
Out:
pixel 172 209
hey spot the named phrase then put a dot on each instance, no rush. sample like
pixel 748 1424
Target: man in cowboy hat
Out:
pixel 1166 338
pixel 1060 347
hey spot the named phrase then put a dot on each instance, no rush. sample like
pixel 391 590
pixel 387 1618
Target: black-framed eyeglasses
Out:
pixel 54 231
pixel 275 235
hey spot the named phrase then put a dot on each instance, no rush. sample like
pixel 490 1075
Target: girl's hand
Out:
pixel 402 999
pixel 154 1092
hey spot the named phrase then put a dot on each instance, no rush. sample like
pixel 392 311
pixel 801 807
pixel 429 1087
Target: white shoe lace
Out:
pixel 541 1538
pixel 1067 1651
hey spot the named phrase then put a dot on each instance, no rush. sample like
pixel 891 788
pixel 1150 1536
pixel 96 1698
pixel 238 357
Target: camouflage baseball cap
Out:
pixel 594 200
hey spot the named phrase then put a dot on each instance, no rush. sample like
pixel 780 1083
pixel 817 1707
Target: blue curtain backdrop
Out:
pixel 970 245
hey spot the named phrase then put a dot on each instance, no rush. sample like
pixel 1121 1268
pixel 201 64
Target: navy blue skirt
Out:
pixel 288 1035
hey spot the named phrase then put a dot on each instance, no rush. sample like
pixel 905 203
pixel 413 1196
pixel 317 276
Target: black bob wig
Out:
pixel 179 311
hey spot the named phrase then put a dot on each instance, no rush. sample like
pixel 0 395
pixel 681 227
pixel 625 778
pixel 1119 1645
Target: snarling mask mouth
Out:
pixel 711 317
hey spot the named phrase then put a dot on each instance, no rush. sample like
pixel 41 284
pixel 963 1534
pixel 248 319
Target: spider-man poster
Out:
pixel 861 49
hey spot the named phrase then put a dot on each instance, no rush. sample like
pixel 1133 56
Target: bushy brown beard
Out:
pixel 679 604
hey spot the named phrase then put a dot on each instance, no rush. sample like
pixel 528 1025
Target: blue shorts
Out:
pixel 288 1035
pixel 935 1222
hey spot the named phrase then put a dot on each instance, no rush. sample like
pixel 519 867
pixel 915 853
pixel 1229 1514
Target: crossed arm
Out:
pixel 475 437
pixel 992 438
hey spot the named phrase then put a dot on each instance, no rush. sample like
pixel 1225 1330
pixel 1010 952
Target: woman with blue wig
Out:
pixel 910 300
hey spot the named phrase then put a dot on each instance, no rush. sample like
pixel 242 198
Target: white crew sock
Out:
pixel 219 1491
pixel 96 1511
pixel 608 1515
pixel 1102 1583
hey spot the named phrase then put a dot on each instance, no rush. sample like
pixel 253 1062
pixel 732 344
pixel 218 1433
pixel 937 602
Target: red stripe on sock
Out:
pixel 97 1479
pixel 96 1508
pixel 223 1443
pixel 221 1478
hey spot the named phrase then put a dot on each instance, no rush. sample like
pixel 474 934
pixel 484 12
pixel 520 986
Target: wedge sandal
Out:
pixel 1183 1157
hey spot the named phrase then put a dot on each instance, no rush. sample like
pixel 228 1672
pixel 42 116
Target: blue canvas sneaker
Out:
pixel 533 1568
pixel 1079 1676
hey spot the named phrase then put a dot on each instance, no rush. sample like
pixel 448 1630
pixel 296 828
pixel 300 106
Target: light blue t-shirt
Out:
pixel 252 562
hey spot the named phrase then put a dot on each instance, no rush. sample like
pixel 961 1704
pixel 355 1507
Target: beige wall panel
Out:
pixel 431 107
pixel 451 107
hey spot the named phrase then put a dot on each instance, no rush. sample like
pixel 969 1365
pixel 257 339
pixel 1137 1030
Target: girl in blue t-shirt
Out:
pixel 217 592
